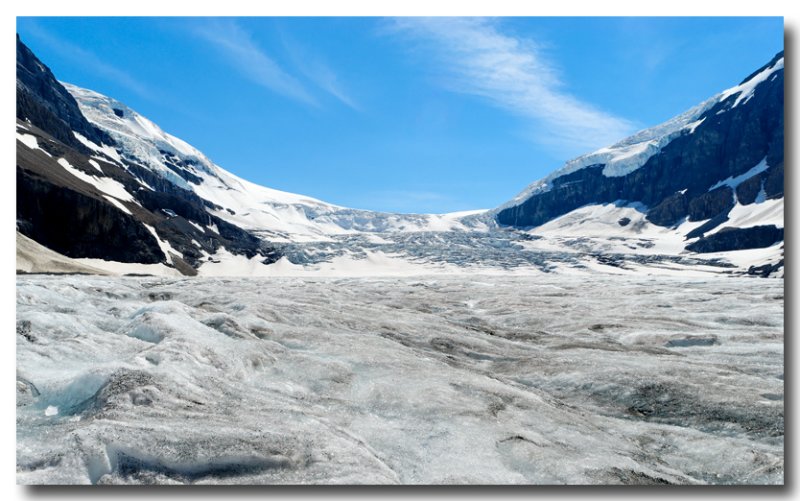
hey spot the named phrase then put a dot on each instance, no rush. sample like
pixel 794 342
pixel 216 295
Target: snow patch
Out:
pixel 694 125
pixel 96 165
pixel 30 141
pixel 116 203
pixel 768 212
pixel 747 89
pixel 164 245
pixel 107 150
pixel 104 184
pixel 734 182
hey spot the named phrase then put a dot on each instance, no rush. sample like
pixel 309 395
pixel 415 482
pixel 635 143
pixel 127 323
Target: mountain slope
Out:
pixel 272 214
pixel 78 196
pixel 44 103
pixel 708 175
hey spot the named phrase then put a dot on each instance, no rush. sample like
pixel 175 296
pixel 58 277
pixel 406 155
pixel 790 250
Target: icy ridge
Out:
pixel 277 215
pixel 625 156
pixel 747 89
pixel 633 152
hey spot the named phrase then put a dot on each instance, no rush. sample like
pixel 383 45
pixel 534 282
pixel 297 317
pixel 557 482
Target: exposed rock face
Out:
pixel 729 139
pixel 45 103
pixel 78 225
pixel 670 210
pixel 711 204
pixel 765 270
pixel 728 239
pixel 69 212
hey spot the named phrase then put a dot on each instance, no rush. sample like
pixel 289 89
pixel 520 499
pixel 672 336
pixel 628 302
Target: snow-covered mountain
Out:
pixel 711 179
pixel 272 214
pixel 103 185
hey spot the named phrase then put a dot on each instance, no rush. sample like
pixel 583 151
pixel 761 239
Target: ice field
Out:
pixel 547 379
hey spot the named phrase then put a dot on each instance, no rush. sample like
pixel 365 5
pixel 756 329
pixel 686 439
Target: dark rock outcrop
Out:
pixel 44 102
pixel 765 270
pixel 708 226
pixel 711 204
pixel 78 225
pixel 670 211
pixel 728 239
pixel 747 192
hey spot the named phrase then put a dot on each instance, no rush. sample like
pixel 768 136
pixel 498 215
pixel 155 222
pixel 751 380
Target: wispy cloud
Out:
pixel 325 78
pixel 317 71
pixel 88 59
pixel 476 57
pixel 250 60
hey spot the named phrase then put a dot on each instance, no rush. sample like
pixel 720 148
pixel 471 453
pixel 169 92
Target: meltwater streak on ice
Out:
pixel 400 380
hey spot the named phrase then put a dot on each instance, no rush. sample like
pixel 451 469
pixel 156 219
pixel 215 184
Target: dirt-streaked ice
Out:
pixel 445 379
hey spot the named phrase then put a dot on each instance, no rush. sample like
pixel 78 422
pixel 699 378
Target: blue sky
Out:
pixel 408 114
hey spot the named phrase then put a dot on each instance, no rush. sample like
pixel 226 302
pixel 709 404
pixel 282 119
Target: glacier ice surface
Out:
pixel 432 379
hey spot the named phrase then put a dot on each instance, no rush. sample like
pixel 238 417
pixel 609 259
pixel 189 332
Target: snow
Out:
pixel 30 141
pixel 464 213
pixel 164 245
pixel 96 165
pixel 116 203
pixel 104 184
pixel 600 224
pixel 411 380
pixel 747 89
pixel 755 214
pixel 753 257
pixel 372 264
pixel 376 239
pixel 33 257
pixel 694 125
pixel 734 181
pixel 51 410
pixel 107 150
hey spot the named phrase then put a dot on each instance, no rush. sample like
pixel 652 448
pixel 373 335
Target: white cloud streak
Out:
pixel 510 72
pixel 315 70
pixel 250 60
pixel 325 78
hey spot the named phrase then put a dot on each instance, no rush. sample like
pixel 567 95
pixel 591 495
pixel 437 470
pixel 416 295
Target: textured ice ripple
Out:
pixel 442 379
pixel 502 249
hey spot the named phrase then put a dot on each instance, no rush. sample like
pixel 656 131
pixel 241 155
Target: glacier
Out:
pixel 318 238
pixel 432 379
pixel 273 215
